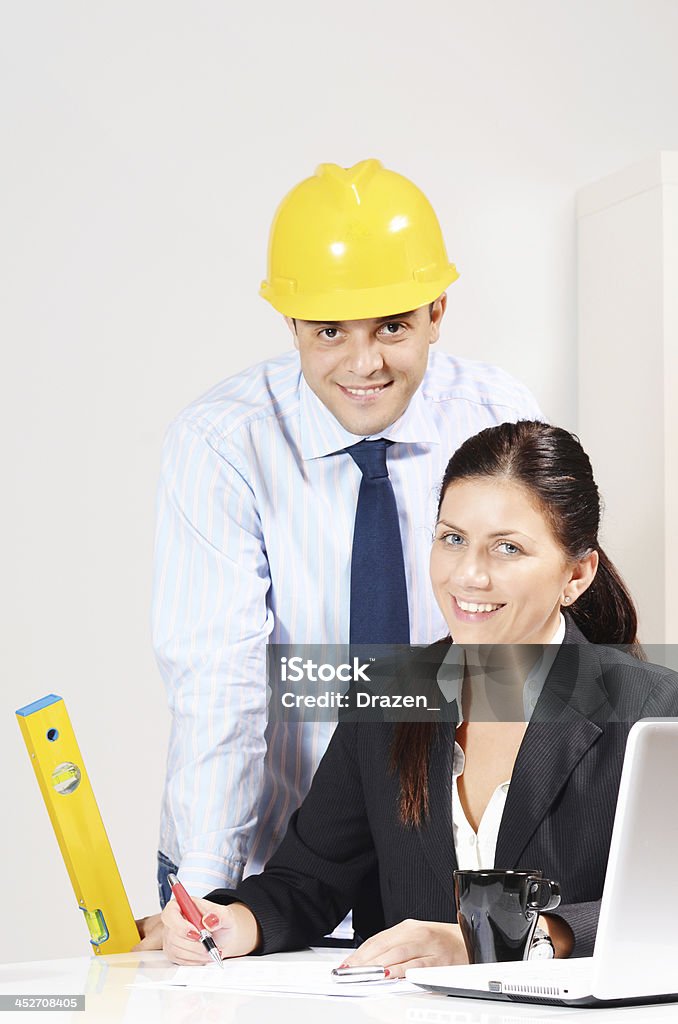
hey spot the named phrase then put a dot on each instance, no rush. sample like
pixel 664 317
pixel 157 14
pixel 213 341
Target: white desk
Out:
pixel 106 980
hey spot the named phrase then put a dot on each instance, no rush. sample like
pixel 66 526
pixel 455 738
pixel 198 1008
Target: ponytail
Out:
pixel 605 612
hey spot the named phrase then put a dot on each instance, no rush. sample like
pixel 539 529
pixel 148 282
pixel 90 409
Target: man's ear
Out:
pixel 437 314
pixel 583 573
pixel 292 324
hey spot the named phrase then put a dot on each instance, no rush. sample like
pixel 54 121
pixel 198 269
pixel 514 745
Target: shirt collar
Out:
pixel 451 673
pixel 322 434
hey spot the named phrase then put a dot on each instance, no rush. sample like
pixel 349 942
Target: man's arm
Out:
pixel 210 624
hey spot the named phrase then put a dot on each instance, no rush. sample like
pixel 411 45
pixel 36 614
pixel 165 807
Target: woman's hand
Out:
pixel 560 933
pixel 234 929
pixel 412 944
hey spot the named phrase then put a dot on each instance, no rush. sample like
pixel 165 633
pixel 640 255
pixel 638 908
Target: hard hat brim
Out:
pixel 356 303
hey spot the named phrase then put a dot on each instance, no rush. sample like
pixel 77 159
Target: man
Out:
pixel 261 535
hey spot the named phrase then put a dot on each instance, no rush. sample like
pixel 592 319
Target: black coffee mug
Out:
pixel 497 911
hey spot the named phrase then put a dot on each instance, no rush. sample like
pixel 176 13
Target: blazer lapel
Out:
pixel 547 757
pixel 559 734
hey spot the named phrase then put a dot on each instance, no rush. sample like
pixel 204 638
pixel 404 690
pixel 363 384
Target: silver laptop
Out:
pixel 635 959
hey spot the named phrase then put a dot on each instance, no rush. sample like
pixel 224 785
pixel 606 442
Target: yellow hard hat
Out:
pixel 352 243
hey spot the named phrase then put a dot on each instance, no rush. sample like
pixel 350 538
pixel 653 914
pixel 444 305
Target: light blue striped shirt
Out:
pixel 253 545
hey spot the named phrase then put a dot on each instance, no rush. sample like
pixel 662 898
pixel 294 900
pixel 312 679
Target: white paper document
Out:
pixel 299 977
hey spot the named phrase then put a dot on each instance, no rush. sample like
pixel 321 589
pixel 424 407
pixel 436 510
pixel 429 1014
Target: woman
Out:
pixel 516 541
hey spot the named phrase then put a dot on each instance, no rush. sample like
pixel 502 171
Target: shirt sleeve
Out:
pixel 210 623
pixel 495 393
pixel 525 405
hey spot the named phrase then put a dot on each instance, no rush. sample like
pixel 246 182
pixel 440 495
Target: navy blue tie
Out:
pixel 379 613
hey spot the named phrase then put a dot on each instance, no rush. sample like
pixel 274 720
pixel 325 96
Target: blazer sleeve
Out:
pixel 583 920
pixel 309 884
pixel 661 702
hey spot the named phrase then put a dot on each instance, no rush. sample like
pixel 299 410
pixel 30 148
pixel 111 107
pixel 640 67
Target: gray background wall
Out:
pixel 145 148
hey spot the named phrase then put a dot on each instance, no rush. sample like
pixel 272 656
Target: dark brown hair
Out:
pixel 552 465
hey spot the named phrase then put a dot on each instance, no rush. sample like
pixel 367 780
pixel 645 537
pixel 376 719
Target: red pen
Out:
pixel 192 914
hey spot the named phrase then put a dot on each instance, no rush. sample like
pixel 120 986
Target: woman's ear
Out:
pixel 581 578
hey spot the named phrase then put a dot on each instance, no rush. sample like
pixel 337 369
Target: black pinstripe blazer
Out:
pixel 558 815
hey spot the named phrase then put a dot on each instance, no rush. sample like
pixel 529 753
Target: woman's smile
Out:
pixel 474 611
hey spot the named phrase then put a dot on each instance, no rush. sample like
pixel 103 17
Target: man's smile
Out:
pixel 364 393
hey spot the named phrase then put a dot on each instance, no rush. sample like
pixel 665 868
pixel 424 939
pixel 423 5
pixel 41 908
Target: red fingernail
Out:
pixel 211 920
pixel 387 973
pixel 341 966
pixel 193 934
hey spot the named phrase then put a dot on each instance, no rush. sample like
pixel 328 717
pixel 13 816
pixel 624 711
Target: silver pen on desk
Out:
pixel 367 973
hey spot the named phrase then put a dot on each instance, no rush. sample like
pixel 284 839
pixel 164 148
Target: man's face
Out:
pixel 366 371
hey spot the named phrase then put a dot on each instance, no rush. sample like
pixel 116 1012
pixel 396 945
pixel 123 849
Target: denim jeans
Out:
pixel 165 868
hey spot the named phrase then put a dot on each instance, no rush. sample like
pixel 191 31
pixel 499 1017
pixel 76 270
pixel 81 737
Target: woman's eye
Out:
pixel 453 539
pixel 508 548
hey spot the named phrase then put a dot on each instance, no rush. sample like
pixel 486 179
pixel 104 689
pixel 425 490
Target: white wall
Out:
pixel 145 147
pixel 627 258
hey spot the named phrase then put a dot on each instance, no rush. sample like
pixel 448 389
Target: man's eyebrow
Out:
pixel 379 319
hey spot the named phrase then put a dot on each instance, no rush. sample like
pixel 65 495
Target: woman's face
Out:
pixel 498 573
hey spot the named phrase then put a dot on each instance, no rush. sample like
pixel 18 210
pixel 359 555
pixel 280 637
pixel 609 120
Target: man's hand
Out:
pixel 412 944
pixel 150 930
pixel 234 929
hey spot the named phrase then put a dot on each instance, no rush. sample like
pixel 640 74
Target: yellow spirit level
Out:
pixel 66 790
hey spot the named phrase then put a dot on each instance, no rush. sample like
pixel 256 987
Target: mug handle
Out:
pixel 542 895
